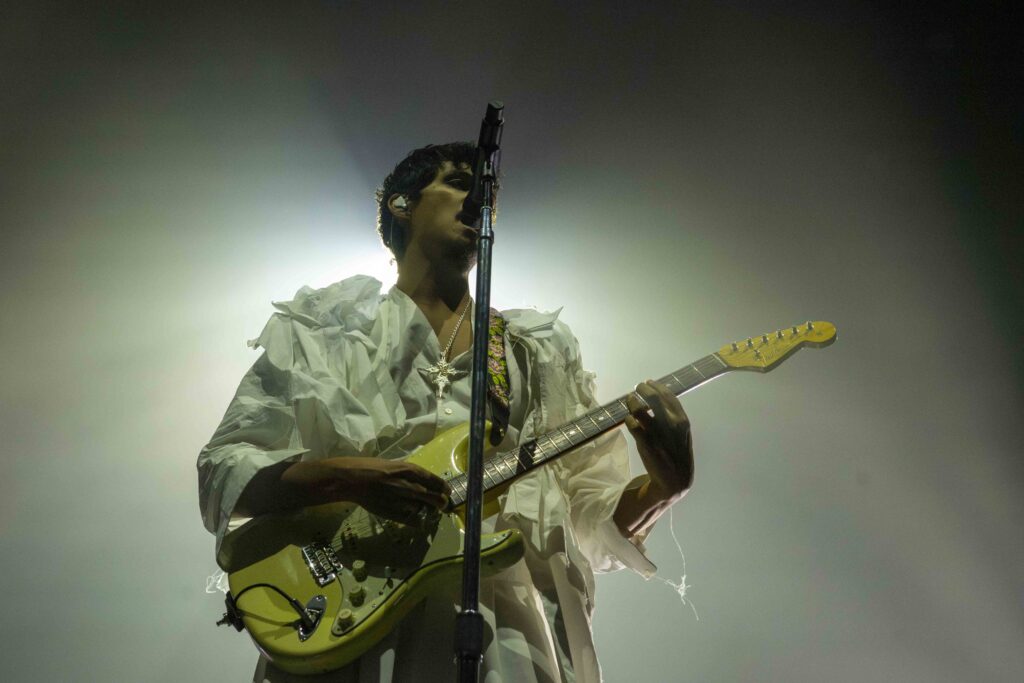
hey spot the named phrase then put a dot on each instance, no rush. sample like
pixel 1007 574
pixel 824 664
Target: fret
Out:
pixel 543 450
pixel 570 436
pixel 714 364
pixel 498 461
pixel 589 428
pixel 458 490
pixel 494 462
pixel 487 475
pixel 511 460
pixel 678 382
pixel 621 406
pixel 554 439
pixel 605 420
pixel 574 433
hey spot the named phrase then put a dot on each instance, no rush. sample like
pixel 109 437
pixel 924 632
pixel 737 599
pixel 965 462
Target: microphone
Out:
pixel 488 144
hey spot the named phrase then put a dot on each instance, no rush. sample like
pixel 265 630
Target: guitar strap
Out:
pixel 499 389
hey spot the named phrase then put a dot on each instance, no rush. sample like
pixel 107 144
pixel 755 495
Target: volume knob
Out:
pixel 356 596
pixel 343 621
pixel 359 570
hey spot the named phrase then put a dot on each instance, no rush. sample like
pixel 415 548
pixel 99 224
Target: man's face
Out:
pixel 433 226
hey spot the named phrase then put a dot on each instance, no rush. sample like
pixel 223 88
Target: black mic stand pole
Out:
pixel 469 624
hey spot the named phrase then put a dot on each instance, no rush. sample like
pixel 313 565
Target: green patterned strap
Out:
pixel 499 390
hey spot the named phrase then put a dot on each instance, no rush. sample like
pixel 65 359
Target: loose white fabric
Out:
pixel 344 373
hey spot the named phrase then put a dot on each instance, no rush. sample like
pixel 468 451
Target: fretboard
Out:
pixel 502 468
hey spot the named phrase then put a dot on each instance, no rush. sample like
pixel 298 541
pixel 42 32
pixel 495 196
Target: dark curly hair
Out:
pixel 409 177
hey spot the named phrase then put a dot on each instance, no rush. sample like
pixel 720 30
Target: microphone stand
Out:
pixel 469 624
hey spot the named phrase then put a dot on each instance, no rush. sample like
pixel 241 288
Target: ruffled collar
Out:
pixel 352 305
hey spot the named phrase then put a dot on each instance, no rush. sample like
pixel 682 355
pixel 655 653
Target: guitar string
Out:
pixel 561 440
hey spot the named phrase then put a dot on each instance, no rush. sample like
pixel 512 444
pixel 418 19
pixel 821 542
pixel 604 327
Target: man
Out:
pixel 351 382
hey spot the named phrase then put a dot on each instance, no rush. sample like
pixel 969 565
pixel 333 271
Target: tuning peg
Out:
pixel 794 330
pixel 810 325
pixel 735 347
pixel 764 338
pixel 779 334
pixel 750 342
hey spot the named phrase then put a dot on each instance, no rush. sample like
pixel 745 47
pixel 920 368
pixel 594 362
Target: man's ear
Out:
pixel 399 206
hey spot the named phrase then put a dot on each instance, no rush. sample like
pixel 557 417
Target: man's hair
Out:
pixel 409 177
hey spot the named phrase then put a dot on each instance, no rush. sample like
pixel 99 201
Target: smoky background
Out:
pixel 676 176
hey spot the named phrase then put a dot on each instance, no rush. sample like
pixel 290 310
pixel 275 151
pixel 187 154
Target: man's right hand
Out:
pixel 389 488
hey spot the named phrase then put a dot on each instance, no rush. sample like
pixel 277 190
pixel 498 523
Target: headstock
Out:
pixel 763 352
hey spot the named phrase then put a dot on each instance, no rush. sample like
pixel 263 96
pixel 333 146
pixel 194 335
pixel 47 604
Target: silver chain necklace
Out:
pixel 441 372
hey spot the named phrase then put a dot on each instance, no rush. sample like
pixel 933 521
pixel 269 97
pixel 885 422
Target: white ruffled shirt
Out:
pixel 343 373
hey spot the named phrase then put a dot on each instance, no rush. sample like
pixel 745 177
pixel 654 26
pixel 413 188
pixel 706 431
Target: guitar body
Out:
pixel 358 574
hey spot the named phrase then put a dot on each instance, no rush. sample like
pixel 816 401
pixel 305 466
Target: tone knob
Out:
pixel 359 570
pixel 356 596
pixel 343 621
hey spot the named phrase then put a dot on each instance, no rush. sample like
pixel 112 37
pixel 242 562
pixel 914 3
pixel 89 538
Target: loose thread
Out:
pixel 681 586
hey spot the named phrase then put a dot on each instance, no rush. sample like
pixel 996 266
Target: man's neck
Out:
pixel 435 290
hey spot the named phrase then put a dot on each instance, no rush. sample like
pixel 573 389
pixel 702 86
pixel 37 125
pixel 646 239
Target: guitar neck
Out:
pixel 502 468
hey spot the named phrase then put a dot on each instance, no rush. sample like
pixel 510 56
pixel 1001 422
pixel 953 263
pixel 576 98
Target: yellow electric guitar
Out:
pixel 318 587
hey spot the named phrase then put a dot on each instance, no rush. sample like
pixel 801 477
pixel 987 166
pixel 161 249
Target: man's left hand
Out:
pixel 662 438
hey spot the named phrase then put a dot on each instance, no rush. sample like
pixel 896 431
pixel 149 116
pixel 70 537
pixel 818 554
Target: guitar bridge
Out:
pixel 322 561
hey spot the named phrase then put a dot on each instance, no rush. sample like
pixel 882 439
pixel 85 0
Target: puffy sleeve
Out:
pixel 315 392
pixel 258 430
pixel 594 475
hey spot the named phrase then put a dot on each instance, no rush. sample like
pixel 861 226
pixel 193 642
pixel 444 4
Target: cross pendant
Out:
pixel 440 374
